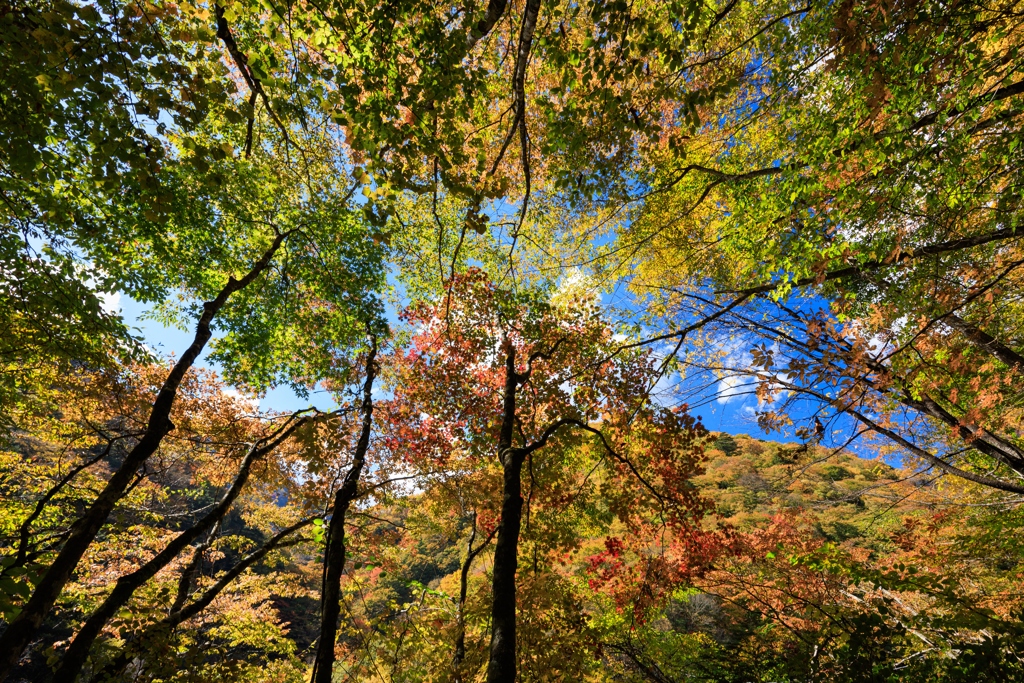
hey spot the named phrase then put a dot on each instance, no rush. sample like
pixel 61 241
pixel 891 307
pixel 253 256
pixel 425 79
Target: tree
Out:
pixel 842 569
pixel 584 202
pixel 863 216
pixel 334 555
pixel 23 628
pixel 544 380
pixel 69 450
pixel 139 168
pixel 726 444
pixel 305 274
pixel 76 654
pixel 159 424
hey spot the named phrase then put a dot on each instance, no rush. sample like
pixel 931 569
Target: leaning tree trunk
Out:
pixel 126 586
pixel 334 560
pixel 24 627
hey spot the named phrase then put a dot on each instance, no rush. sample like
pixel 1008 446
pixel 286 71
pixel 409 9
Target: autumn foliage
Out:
pixel 502 342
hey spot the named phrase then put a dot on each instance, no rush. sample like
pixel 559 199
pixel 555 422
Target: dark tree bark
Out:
pixel 860 269
pixel 126 586
pixel 254 83
pixel 986 341
pixel 980 439
pixel 502 665
pixel 192 571
pixel 495 8
pixel 501 668
pixel 334 561
pixel 460 636
pixel 23 629
pixel 25 530
pixel 176 617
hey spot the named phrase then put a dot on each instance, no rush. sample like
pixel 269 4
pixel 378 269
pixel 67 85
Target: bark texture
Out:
pixel 501 667
pixel 330 609
pixel 23 629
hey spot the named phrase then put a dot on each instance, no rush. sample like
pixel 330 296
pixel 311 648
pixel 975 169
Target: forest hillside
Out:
pixel 829 565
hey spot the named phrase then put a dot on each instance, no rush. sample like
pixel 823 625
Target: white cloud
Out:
pixel 734 386
pixel 731 388
pixel 250 402
pixel 110 302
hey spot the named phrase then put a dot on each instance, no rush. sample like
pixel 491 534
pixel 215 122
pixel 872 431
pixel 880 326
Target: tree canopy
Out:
pixel 627 341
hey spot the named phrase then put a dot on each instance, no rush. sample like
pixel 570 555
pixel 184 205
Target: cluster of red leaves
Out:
pixel 446 415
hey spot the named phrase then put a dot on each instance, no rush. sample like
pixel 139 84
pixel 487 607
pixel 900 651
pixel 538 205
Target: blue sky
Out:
pixel 722 407
pixel 733 414
pixel 168 340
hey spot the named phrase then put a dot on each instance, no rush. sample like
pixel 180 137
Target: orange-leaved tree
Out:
pixel 501 386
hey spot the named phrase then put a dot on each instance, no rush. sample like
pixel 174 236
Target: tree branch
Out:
pixel 553 428
pixel 23 628
pixel 255 86
pixel 912 447
pixel 899 257
pixel 986 341
pixel 125 587
pixel 176 617
pixel 334 555
pixel 495 8
pixel 460 638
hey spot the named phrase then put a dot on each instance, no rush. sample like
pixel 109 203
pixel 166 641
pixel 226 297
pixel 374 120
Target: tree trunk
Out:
pixel 172 620
pixel 502 665
pixel 126 586
pixel 192 571
pixel 22 630
pixel 501 668
pixel 460 636
pixel 986 341
pixel 330 610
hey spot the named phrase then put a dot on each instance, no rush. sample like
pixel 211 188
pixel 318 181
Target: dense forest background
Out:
pixel 391 341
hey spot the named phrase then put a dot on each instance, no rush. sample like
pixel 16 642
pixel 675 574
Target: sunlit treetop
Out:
pixel 143 159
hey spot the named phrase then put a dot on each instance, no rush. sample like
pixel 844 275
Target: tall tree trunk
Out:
pixel 24 627
pixel 501 668
pixel 126 586
pixel 330 610
pixel 502 665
